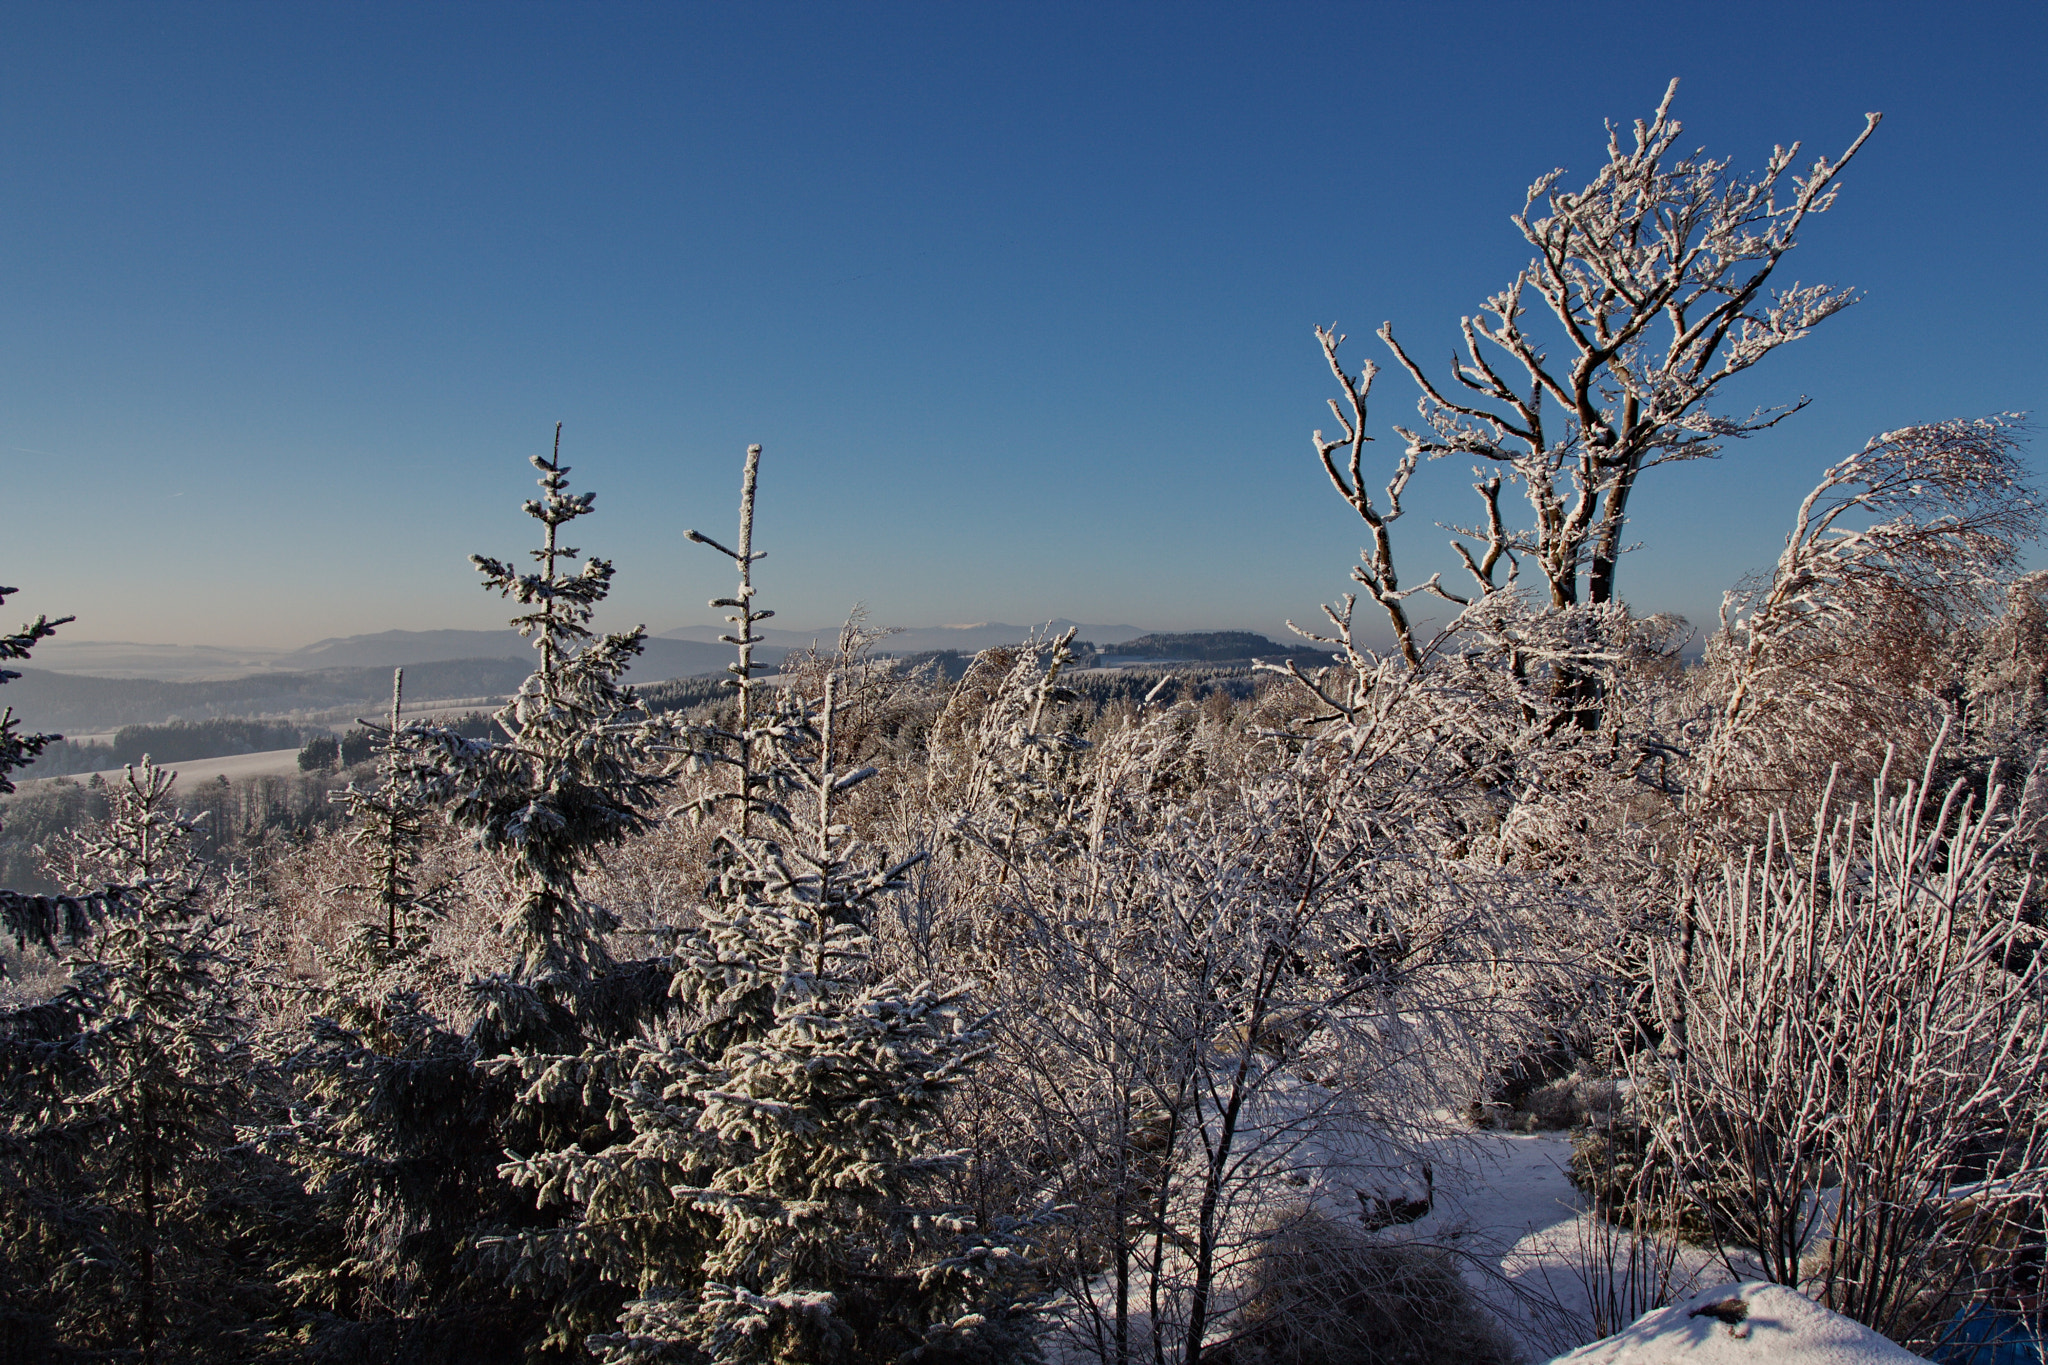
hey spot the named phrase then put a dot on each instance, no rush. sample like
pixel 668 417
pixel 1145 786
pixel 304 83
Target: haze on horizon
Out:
pixel 1019 301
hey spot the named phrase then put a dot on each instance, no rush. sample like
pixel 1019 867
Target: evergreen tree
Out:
pixel 402 1115
pixel 770 1195
pixel 18 749
pixel 124 1186
pixel 48 920
pixel 573 775
pixel 391 823
pixel 389 1125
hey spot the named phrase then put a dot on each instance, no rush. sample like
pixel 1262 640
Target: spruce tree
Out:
pixel 771 1195
pixel 47 920
pixel 123 1180
pixel 389 1125
pixel 405 1120
pixel 391 822
pixel 573 775
pixel 18 748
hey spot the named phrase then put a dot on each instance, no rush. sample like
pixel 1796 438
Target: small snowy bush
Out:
pixel 1325 1293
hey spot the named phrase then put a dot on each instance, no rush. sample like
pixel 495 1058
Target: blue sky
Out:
pixel 1019 298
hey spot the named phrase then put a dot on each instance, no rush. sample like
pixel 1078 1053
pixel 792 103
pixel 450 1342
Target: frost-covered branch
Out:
pixel 1864 1049
pixel 1921 525
pixel 1657 275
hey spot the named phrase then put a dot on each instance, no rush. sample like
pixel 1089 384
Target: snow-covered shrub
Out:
pixel 1321 1292
pixel 1857 1046
pixel 1571 1101
pixel 1861 641
pixel 1230 961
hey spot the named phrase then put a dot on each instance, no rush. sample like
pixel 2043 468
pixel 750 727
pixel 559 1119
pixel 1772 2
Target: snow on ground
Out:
pixel 1505 1202
pixel 1743 1324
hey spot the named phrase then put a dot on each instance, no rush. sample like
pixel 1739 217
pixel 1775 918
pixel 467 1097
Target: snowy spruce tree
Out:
pixel 772 1194
pixel 573 775
pixel 19 748
pixel 127 1201
pixel 392 820
pixel 48 921
pixel 389 1126
pixel 405 1112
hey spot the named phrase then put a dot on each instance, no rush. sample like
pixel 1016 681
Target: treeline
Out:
pixel 1212 646
pixel 683 694
pixel 325 752
pixel 182 741
pixel 242 818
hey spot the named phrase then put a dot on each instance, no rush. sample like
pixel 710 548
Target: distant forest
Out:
pixel 1214 646
pixel 179 741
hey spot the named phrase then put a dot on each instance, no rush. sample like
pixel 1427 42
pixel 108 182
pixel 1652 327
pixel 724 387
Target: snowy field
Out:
pixel 234 767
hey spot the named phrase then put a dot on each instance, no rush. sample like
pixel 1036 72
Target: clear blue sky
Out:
pixel 1018 297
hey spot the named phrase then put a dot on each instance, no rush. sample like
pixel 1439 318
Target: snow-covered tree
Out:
pixel 392 820
pixel 47 920
pixel 412 1089
pixel 1245 964
pixel 388 1123
pixel 573 775
pixel 18 748
pixel 1652 289
pixel 123 1177
pixel 769 1196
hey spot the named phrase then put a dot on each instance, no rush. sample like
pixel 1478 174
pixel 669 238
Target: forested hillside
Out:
pixel 871 1013
pixel 73 702
pixel 173 743
pixel 1212 646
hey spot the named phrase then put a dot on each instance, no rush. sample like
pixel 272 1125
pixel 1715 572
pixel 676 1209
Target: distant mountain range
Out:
pixel 687 651
pixel 75 704
pixel 148 684
pixel 663 658
pixel 968 639
pixel 90 686
pixel 127 659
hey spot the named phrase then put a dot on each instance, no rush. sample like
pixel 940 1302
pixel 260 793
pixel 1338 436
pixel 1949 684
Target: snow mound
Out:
pixel 1752 1322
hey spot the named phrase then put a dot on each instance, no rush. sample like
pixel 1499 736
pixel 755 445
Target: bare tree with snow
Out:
pixel 1651 286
